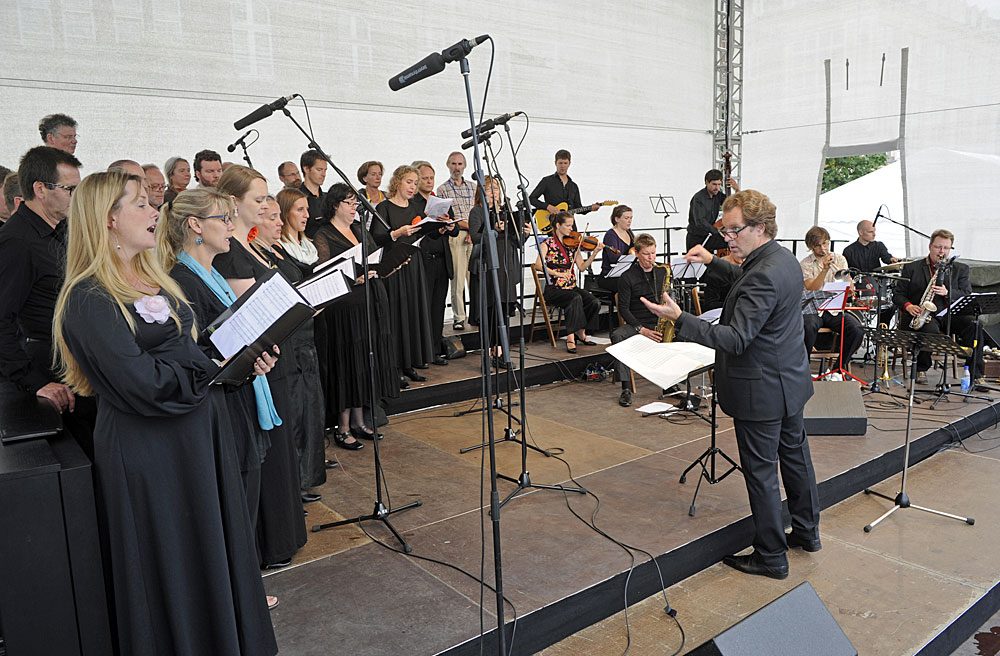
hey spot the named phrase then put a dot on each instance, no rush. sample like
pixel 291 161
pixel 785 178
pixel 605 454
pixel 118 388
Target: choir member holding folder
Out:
pixel 409 303
pixel 180 544
pixel 281 528
pixel 349 373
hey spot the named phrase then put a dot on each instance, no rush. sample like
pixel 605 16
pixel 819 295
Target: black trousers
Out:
pixel 764 446
pixel 854 334
pixel 962 327
pixel 580 306
pixel 437 290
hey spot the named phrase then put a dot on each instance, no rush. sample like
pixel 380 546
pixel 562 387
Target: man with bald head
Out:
pixel 131 167
pixel 866 254
pixel 289 174
pixel 157 184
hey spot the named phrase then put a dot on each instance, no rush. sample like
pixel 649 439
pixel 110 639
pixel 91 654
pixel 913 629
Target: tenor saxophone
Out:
pixel 665 326
pixel 926 304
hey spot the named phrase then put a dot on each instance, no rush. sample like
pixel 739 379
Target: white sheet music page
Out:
pixel 681 268
pixel 326 288
pixel 257 314
pixel 436 207
pixel 662 364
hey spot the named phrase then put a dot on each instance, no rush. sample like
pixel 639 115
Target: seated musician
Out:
pixel 819 268
pixel 641 280
pixel 558 259
pixel 866 254
pixel 953 285
pixel 621 239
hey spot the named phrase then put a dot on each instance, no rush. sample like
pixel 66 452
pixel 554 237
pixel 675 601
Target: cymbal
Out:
pixel 895 266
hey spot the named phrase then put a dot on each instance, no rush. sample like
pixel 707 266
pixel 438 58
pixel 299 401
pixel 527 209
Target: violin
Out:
pixel 577 240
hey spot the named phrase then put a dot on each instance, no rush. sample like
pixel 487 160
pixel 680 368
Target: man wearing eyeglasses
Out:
pixel 157 184
pixel 953 285
pixel 32 251
pixel 762 378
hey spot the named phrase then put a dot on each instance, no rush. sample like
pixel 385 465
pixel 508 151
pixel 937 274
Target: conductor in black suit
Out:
pixel 762 378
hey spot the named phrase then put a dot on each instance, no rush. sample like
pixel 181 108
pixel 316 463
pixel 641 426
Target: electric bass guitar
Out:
pixel 542 216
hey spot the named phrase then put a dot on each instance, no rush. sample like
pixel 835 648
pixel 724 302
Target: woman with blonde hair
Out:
pixel 181 551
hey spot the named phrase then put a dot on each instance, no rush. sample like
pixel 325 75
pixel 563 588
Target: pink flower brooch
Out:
pixel 153 308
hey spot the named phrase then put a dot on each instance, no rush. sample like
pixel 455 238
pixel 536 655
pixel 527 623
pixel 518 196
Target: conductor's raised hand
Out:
pixel 700 254
pixel 669 309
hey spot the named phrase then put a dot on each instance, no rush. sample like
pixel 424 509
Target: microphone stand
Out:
pixel 381 512
pixel 246 155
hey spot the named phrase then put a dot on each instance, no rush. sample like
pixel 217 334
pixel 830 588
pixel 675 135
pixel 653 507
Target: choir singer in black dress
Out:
pixel 181 549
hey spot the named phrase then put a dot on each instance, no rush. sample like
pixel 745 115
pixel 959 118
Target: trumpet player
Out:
pixel 818 268
pixel 953 285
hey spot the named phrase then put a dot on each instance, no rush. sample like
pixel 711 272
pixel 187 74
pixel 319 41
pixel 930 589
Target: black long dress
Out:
pixel 251 441
pixel 509 272
pixel 349 379
pixel 181 551
pixel 409 304
pixel 281 527
pixel 307 419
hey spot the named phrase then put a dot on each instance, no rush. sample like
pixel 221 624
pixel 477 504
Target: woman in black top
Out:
pixel 350 376
pixel 281 528
pixel 409 304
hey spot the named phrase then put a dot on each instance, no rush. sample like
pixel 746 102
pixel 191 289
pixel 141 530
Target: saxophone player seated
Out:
pixel 936 285
pixel 818 268
pixel 641 280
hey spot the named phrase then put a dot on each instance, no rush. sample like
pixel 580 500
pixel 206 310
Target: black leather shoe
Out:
pixel 277 565
pixel 751 565
pixel 793 540
pixel 413 375
pixel 420 366
pixel 439 361
pixel 364 433
pixel 331 464
pixel 341 440
pixel 625 400
pixel 403 383
pixel 309 498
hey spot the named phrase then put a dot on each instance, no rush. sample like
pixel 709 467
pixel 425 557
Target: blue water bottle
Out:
pixel 966 380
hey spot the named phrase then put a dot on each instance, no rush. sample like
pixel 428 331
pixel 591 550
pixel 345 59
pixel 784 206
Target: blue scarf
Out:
pixel 267 416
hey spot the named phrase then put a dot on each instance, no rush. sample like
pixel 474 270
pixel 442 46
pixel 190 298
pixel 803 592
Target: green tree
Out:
pixel 841 170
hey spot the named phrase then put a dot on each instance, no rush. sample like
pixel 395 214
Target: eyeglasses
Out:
pixel 225 218
pixel 157 187
pixel 350 201
pixel 52 185
pixel 732 232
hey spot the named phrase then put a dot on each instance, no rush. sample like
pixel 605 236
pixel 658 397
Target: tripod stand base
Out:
pixel 707 460
pixel 508 436
pixel 901 500
pixel 380 513
pixel 524 482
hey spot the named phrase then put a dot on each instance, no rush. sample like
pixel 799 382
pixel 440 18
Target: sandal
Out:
pixel 341 441
pixel 570 348
pixel 272 602
pixel 364 433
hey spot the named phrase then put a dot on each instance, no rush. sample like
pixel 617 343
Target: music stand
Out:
pixel 707 459
pixel 977 304
pixel 666 206
pixel 840 355
pixel 914 342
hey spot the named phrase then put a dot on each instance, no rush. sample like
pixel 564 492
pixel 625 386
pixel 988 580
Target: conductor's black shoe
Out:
pixel 309 498
pixel 793 540
pixel 625 400
pixel 413 375
pixel 277 565
pixel 439 361
pixel 750 564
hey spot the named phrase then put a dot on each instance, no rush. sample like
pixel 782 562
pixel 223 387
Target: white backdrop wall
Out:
pixel 953 106
pixel 627 88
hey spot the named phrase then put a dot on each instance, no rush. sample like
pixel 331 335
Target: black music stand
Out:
pixel 707 459
pixel 914 342
pixel 977 304
pixel 666 206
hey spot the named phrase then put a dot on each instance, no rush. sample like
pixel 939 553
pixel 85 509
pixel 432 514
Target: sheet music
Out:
pixel 326 288
pixel 434 219
pixel 711 316
pixel 681 268
pixel 376 257
pixel 436 206
pixel 257 314
pixel 662 364
pixel 621 266
pixel 835 302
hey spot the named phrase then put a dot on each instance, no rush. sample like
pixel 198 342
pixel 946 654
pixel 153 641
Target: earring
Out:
pixel 199 241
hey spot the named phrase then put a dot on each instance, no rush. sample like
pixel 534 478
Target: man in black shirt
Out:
pixel 704 211
pixel 641 280
pixel 32 252
pixel 558 188
pixel 866 254
pixel 314 175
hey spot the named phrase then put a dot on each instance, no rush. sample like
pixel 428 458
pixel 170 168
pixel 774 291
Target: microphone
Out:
pixel 262 112
pixel 878 215
pixel 483 136
pixel 491 123
pixel 434 63
pixel 239 142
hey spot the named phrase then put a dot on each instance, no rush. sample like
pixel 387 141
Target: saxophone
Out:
pixel 926 304
pixel 665 326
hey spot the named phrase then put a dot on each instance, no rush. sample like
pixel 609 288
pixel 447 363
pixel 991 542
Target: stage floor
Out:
pixel 347 594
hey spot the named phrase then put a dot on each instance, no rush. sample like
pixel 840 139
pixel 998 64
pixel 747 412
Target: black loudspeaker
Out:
pixel 836 408
pixel 797 622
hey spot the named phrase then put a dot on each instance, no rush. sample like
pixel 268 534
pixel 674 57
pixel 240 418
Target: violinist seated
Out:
pixel 618 241
pixel 641 280
pixel 558 255
pixel 819 268
pixel 952 285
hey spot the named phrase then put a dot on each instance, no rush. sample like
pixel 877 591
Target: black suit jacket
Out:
pixel 762 372
pixel 919 273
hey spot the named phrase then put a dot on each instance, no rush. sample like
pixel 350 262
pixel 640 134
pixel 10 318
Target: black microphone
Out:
pixel 434 63
pixel 239 142
pixel 483 136
pixel 877 215
pixel 262 112
pixel 490 123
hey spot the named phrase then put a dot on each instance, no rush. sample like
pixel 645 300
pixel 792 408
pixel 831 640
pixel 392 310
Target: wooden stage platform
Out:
pixel 901 589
